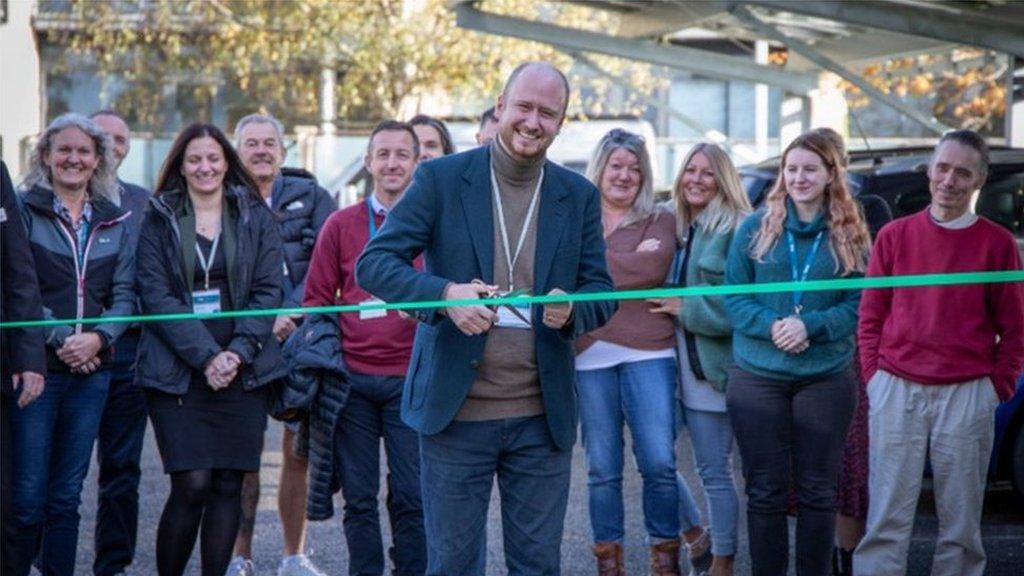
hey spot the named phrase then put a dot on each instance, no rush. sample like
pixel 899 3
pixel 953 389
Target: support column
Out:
pixel 793 121
pixel 761 103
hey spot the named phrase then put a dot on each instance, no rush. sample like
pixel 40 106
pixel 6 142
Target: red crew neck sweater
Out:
pixel 944 334
pixel 377 346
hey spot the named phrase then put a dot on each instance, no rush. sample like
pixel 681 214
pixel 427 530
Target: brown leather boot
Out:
pixel 609 559
pixel 665 558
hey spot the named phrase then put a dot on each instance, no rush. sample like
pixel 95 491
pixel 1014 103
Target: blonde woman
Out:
pixel 626 370
pixel 709 203
pixel 792 393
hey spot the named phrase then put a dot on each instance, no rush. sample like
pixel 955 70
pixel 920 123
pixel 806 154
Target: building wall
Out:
pixel 21 103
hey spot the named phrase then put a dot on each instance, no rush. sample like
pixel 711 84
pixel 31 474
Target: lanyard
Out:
pixel 510 258
pixel 207 264
pixel 373 218
pixel 801 276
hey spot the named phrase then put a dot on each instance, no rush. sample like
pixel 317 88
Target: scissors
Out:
pixel 514 310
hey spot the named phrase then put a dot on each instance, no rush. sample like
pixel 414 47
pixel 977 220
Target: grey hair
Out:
pixel 259 119
pixel 618 139
pixel 103 181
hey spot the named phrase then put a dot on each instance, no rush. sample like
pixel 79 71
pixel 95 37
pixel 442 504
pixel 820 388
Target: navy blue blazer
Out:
pixel 447 215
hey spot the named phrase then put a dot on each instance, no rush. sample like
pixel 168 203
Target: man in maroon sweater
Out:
pixel 938 361
pixel 376 346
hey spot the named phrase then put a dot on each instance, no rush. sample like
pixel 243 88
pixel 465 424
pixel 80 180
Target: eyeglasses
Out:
pixel 620 136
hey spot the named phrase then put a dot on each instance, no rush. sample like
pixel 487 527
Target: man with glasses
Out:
pixel 491 391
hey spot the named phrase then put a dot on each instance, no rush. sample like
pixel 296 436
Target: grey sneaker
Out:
pixel 298 565
pixel 240 566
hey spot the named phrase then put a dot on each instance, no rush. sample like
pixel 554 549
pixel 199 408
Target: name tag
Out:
pixel 205 301
pixel 297 205
pixel 508 319
pixel 374 313
pixel 3 215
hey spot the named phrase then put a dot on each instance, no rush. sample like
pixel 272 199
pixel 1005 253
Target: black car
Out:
pixel 893 183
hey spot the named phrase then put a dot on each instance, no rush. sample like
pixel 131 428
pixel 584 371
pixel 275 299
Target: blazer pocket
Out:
pixel 420 366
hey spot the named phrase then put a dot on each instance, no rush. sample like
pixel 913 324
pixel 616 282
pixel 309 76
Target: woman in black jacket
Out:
pixel 83 265
pixel 208 244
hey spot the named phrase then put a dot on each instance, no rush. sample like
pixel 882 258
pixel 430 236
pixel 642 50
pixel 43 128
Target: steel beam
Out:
pixel 749 17
pixel 685 119
pixel 951 23
pixel 701 62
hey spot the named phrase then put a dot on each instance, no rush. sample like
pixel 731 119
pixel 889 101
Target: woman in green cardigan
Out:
pixel 709 203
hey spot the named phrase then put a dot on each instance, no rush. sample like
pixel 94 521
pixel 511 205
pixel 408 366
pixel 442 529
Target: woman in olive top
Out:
pixel 792 393
pixel 208 244
pixel 709 203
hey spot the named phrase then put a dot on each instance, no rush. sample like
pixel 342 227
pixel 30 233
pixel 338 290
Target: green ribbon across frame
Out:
pixel 908 281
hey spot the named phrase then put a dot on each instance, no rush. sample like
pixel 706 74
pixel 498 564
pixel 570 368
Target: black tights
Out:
pixel 210 498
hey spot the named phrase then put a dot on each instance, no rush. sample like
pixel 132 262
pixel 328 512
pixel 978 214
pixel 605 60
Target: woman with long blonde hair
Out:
pixel 709 203
pixel 792 393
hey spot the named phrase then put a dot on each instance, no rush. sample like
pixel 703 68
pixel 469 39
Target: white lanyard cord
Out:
pixel 207 265
pixel 510 258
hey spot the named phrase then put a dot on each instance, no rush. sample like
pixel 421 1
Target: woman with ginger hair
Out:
pixel 792 393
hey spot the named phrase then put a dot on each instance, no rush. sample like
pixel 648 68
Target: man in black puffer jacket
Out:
pixel 301 207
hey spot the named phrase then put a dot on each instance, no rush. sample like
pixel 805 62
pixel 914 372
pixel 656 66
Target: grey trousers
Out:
pixel 951 424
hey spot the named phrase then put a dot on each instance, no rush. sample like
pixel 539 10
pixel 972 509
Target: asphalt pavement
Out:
pixel 1002 528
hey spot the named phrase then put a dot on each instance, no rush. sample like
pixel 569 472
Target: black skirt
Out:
pixel 207 429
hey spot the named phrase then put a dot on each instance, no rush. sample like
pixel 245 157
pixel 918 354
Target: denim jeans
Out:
pixel 781 427
pixel 372 413
pixel 712 439
pixel 118 450
pixel 642 395
pixel 458 466
pixel 53 439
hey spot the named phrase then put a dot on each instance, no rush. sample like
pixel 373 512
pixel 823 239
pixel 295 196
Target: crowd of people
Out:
pixel 834 397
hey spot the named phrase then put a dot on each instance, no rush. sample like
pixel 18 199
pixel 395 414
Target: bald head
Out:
pixel 538 71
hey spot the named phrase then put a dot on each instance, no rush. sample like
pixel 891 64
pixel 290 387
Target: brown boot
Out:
pixel 665 558
pixel 609 559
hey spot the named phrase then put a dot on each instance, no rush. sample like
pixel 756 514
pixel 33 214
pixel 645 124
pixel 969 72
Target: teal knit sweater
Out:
pixel 830 316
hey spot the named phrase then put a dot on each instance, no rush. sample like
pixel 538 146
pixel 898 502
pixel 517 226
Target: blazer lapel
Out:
pixel 479 212
pixel 550 225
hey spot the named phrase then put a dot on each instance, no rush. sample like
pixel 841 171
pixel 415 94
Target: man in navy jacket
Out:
pixel 491 391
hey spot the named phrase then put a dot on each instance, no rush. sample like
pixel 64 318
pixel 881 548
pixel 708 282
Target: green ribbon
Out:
pixel 908 281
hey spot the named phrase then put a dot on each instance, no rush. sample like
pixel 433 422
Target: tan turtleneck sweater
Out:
pixel 507 385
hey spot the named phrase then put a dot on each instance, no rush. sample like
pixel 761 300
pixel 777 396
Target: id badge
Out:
pixel 205 301
pixel 508 319
pixel 372 314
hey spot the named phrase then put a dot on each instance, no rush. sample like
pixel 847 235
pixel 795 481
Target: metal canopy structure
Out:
pixel 837 35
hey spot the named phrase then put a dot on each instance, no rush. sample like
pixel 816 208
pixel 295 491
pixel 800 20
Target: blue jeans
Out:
pixel 372 413
pixel 712 439
pixel 118 450
pixel 641 394
pixel 458 466
pixel 53 439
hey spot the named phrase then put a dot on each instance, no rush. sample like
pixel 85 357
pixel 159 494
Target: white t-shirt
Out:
pixel 603 354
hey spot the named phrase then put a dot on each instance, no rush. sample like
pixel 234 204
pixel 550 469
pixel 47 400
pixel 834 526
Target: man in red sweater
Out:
pixel 376 346
pixel 938 360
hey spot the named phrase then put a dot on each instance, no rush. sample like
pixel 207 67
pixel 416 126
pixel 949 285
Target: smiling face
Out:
pixel 391 161
pixel 204 166
pixel 953 176
pixel 261 150
pixel 621 179
pixel 806 176
pixel 72 159
pixel 530 112
pixel 431 145
pixel 698 185
pixel 120 136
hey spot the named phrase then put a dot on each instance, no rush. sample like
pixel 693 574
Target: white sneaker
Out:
pixel 298 565
pixel 240 566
